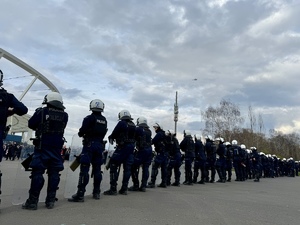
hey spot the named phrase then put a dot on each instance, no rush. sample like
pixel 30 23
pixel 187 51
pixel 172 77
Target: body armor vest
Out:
pixel 144 141
pixel 190 148
pixel 98 130
pixel 128 135
pixel 54 123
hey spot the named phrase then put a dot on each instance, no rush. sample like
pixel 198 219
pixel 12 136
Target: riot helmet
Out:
pixel 186 133
pixel 209 138
pixel 197 137
pixel 54 99
pixel 141 121
pixel 243 146
pixel 220 139
pixel 234 142
pixel 96 105
pixel 124 115
pixel 157 126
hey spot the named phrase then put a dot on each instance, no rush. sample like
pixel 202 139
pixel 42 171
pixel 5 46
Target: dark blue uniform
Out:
pixel 93 131
pixel 187 145
pixel 211 153
pixel 173 148
pixel 161 159
pixel 256 164
pixel 221 162
pixel 237 161
pixel 124 135
pixel 142 157
pixel 7 100
pixel 200 162
pixel 49 124
pixel 229 158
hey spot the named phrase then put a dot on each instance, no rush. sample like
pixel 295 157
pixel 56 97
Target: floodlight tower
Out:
pixel 175 113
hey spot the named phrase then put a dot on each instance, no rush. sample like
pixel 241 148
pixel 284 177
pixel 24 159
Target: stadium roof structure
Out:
pixel 20 123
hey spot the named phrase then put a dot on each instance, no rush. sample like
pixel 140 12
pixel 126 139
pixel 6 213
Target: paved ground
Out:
pixel 271 201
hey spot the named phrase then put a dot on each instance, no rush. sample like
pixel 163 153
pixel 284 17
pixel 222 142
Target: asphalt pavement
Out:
pixel 273 201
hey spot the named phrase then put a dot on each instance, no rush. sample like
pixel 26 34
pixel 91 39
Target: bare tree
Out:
pixel 222 120
pixel 252 119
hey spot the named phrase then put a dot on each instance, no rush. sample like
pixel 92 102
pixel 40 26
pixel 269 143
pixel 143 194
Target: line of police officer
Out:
pixel 133 151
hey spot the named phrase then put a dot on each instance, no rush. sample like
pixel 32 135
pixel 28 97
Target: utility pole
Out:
pixel 176 113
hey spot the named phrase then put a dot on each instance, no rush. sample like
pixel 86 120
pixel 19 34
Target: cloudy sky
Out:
pixel 136 54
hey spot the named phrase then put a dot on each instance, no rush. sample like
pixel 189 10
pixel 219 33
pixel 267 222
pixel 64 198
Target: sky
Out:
pixel 136 54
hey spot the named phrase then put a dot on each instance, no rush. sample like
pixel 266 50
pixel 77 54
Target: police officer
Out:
pixel 49 124
pixel 211 153
pixel 256 163
pixel 9 106
pixel 200 160
pixel 242 164
pixel 236 149
pixel 161 158
pixel 221 161
pixel 143 155
pixel 93 131
pixel 124 135
pixel 173 148
pixel 187 145
pixel 229 158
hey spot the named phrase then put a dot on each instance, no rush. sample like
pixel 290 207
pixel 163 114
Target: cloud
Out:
pixel 136 54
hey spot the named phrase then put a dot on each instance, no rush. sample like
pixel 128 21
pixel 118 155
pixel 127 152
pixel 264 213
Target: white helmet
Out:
pixel 141 121
pixel 54 99
pixel 187 132
pixel 208 137
pixel 169 133
pixel 234 142
pixel 243 146
pixel 219 139
pixel 124 114
pixel 197 136
pixel 97 105
pixel 157 125
pixel 227 143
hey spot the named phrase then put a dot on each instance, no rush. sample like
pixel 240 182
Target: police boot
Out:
pixel 142 188
pixel 176 184
pixel 96 194
pixel 195 180
pixel 162 185
pixel 201 182
pixel 123 190
pixel 111 191
pixel 78 197
pixel 151 184
pixel 31 203
pixel 134 188
pixel 50 200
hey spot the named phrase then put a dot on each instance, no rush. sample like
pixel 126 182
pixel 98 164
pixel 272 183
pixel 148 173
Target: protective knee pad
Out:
pixel 37 183
pixel 53 181
pixel 83 180
pixel 114 174
pixel 97 174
